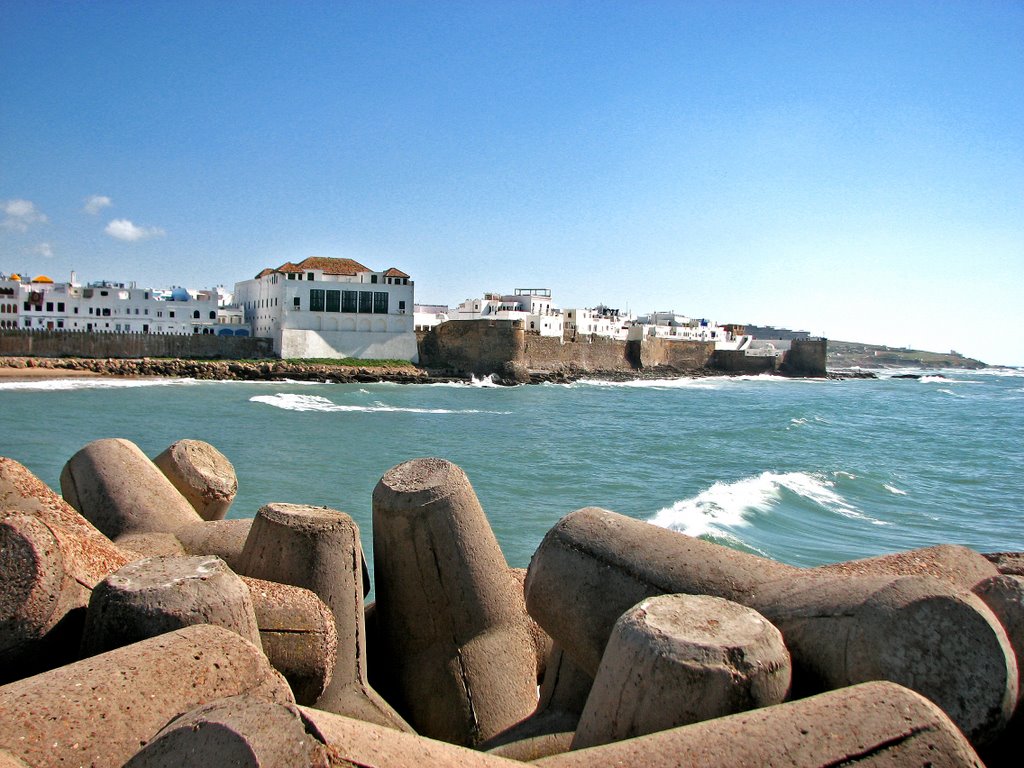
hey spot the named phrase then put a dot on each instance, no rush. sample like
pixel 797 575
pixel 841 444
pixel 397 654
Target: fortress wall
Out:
pixel 19 343
pixel 735 361
pixel 545 353
pixel 806 357
pixel 479 347
pixel 675 353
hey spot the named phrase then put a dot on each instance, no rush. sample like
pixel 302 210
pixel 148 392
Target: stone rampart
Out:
pixel 674 353
pixel 20 343
pixel 806 357
pixel 479 347
pixel 590 353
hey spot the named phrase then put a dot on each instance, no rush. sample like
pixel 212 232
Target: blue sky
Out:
pixel 855 169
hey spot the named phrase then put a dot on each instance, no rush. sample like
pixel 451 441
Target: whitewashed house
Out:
pixel 332 308
pixel 669 325
pixel 40 304
pixel 531 305
pixel 597 321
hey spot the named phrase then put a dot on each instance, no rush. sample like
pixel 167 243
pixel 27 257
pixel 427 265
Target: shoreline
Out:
pixel 15 369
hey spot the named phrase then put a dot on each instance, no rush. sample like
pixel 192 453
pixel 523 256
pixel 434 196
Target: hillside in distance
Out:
pixel 854 354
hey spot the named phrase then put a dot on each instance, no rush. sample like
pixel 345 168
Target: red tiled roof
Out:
pixel 331 266
pixel 395 273
pixel 264 273
pixel 289 267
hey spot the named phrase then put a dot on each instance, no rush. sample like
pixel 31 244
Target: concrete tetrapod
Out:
pixel 223 538
pixel 925 633
pixel 202 474
pixel 355 743
pixel 298 635
pixel 939 639
pixel 318 548
pixel 549 730
pixel 160 594
pixel 93 554
pixel 236 731
pixel 877 724
pixel 99 711
pixel 42 605
pixel 119 490
pixel 958 565
pixel 593 565
pixel 447 607
pixel 679 659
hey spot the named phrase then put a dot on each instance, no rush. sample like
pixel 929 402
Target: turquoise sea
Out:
pixel 803 471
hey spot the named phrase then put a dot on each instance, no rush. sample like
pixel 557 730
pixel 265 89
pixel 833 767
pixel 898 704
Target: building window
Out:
pixel 60 323
pixel 373 278
pixel 380 302
pixel 316 300
pixel 401 306
pixel 171 313
pixel 296 303
pixel 195 314
pixel 106 312
pixel 366 302
pixel 213 314
pixel 334 301
pixel 349 301
pixel 309 275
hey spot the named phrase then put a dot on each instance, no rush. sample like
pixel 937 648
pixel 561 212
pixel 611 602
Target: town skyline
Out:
pixel 851 170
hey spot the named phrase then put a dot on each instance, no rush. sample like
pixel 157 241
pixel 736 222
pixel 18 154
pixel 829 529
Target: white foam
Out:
pixel 893 489
pixel 681 383
pixel 292 402
pixel 486 382
pixel 89 382
pixel 731 505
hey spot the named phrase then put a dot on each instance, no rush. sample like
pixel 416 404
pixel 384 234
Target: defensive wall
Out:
pixel 21 343
pixel 482 347
pixel 479 347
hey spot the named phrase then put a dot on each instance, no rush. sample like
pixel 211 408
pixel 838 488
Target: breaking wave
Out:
pixel 292 402
pixel 725 506
pixel 89 382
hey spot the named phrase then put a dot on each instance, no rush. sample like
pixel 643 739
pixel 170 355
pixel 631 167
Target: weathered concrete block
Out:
pixel 99 711
pixel 542 642
pixel 353 742
pixel 876 724
pixel 202 474
pixel 236 731
pixel 319 549
pixel 1008 563
pixel 679 659
pixel 42 605
pixel 447 606
pixel 298 635
pixel 119 490
pixel 593 562
pixel 918 631
pixel 593 565
pixel 958 565
pixel 160 594
pixel 93 554
pixel 549 730
pixel 223 538
pixel 151 544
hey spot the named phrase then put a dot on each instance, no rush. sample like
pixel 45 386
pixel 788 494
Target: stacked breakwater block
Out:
pixel 202 474
pixel 119 490
pixel 623 643
pixel 319 549
pixel 448 612
pixel 920 631
pixel 156 595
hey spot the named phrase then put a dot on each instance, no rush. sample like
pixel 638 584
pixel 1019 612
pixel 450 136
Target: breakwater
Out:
pixel 124 580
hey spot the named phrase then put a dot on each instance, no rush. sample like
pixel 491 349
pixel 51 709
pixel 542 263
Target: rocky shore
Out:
pixel 140 627
pixel 281 370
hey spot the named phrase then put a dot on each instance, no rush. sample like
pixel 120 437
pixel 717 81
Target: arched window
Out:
pixel 195 314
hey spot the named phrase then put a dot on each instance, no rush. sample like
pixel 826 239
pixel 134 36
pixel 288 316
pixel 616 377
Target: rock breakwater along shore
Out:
pixel 139 628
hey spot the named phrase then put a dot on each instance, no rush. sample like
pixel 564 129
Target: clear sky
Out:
pixel 854 169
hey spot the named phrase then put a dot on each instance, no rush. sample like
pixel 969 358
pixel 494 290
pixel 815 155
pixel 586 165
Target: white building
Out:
pixel 597 321
pixel 333 308
pixel 426 316
pixel 669 325
pixel 108 307
pixel 531 305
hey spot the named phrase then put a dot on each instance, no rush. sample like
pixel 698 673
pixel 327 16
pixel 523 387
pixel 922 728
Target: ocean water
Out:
pixel 803 471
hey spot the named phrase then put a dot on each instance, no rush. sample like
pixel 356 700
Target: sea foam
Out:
pixel 725 506
pixel 292 402
pixel 89 382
